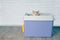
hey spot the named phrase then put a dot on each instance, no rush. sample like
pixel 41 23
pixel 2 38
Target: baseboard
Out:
pixel 56 26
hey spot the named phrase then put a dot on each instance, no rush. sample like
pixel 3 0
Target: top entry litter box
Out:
pixel 38 26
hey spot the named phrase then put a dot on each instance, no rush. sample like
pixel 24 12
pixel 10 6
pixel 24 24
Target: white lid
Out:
pixel 42 18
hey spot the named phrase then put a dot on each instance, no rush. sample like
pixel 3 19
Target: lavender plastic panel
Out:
pixel 38 28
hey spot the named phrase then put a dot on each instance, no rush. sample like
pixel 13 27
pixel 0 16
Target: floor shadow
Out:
pixel 56 30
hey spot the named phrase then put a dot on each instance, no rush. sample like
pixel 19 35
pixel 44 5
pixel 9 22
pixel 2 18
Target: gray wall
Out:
pixel 12 11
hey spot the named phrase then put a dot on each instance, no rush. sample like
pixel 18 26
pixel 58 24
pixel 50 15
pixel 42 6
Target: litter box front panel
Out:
pixel 38 28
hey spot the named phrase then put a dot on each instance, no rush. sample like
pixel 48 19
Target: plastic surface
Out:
pixel 38 28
